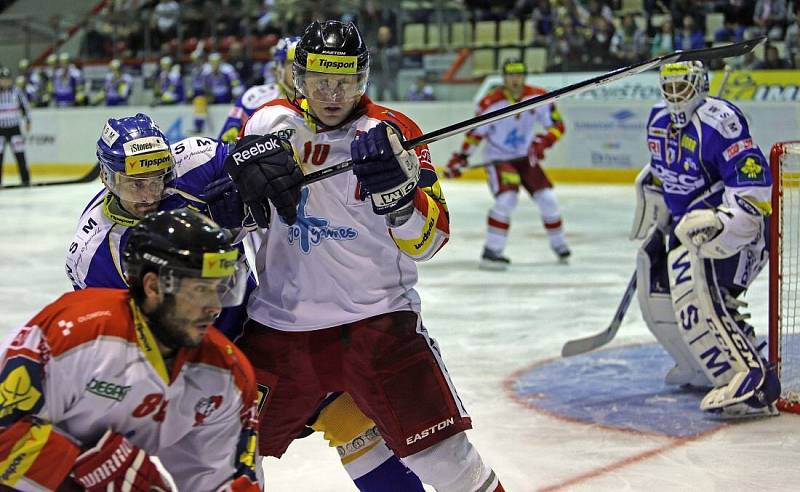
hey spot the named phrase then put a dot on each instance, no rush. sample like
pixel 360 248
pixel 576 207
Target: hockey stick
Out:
pixel 736 49
pixel 93 173
pixel 583 345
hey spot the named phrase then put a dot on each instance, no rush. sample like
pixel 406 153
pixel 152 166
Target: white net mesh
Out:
pixel 785 289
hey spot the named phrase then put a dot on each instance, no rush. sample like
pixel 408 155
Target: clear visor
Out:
pixel 330 88
pixel 211 292
pixel 143 188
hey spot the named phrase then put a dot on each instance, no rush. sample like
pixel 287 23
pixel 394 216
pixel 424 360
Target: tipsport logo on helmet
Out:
pixel 332 63
pixel 144 155
pixel 219 264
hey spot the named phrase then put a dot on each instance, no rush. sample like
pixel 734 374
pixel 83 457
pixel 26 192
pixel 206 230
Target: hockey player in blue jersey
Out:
pixel 703 205
pixel 143 173
pixel 256 96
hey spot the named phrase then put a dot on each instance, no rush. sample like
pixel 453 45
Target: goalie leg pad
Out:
pixel 691 304
pixel 656 306
pixel 730 358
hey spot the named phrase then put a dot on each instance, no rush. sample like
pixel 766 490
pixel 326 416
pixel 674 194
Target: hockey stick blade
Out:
pixel 93 173
pixel 587 344
pixel 703 54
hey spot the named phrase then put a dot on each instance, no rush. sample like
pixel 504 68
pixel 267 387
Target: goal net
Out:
pixel 784 271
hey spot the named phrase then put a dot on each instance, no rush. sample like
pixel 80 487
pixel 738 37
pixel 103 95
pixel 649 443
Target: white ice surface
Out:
pixel 489 325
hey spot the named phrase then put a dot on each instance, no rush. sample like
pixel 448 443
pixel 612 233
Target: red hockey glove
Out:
pixel 454 165
pixel 114 464
pixel 540 143
pixel 240 484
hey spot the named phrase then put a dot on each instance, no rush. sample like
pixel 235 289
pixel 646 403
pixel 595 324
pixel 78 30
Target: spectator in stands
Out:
pixel 576 13
pixel 629 43
pixel 386 62
pixel 770 18
pixel 663 41
pixel 599 43
pixel 730 32
pixel 679 9
pixel 240 62
pixel 690 37
pixel 544 20
pixel 168 87
pixel 567 48
pixel 165 21
pixel 117 85
pixel 793 42
pixel 772 60
pixel 420 90
pixel 595 9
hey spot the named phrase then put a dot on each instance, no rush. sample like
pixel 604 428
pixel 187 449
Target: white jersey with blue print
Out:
pixel 340 262
pixel 93 258
pixel 712 162
pixel 247 104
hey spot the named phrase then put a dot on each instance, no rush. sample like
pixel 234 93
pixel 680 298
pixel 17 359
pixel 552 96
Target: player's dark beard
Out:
pixel 168 328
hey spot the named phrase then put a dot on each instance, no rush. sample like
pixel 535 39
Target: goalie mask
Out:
pixel 684 87
pixel 183 244
pixel 136 161
pixel 331 63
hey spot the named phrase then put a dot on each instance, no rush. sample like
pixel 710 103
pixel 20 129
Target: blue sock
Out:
pixel 391 476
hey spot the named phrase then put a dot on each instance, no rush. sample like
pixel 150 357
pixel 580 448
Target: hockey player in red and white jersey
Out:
pixel 515 153
pixel 336 309
pixel 102 379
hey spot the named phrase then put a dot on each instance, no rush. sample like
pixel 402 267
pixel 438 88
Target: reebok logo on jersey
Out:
pixel 255 150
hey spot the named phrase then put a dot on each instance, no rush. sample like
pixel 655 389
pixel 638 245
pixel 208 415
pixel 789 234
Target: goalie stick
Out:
pixel 587 344
pixel 90 176
pixel 704 54
pixel 583 345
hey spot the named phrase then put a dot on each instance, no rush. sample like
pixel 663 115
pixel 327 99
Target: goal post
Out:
pixel 784 271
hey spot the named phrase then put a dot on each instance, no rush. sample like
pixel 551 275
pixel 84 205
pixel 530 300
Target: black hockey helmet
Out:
pixel 183 243
pixel 333 48
pixel 514 66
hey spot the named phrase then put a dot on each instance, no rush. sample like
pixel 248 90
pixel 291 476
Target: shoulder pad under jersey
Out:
pixel 722 116
pixel 193 152
pixel 258 95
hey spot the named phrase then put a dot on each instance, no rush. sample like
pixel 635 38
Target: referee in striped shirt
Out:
pixel 13 108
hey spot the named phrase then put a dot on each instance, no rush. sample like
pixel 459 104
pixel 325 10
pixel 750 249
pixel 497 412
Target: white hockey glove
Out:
pixel 702 232
pixel 650 207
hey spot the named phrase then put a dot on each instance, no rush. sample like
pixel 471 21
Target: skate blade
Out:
pixel 492 266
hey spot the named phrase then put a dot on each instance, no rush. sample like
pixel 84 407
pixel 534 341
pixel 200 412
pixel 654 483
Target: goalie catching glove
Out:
pixel 385 170
pixel 263 167
pixel 115 464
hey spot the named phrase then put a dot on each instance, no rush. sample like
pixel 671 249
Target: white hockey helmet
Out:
pixel 684 87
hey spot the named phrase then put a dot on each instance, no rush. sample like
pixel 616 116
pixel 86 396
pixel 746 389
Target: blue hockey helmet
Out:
pixel 284 50
pixel 135 158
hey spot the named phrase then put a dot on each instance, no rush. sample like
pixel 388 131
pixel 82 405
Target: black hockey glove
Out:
pixel 224 203
pixel 387 171
pixel 264 167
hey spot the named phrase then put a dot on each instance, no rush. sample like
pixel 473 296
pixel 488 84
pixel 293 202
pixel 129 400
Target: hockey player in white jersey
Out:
pixel 703 207
pixel 336 308
pixel 258 95
pixel 102 379
pixel 142 173
pixel 516 153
